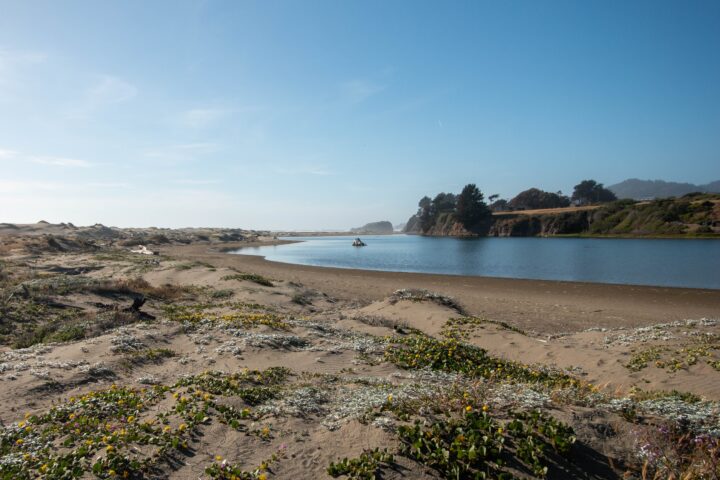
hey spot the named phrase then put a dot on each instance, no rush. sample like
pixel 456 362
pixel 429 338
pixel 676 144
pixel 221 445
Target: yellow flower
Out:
pixel 390 397
pixel 262 476
pixel 27 415
pixel 19 441
pixel 21 424
pixel 485 408
pixel 468 408
pixel 131 419
pixel 166 428
pixel 112 473
pixel 182 427
pixel 44 468
pixel 500 430
pixel 109 448
pixel 218 458
pixel 26 456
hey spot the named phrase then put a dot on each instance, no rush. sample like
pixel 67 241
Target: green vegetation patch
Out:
pixel 244 315
pixel 364 467
pixel 479 446
pixel 124 432
pixel 671 216
pixel 253 386
pixel 706 347
pixel 461 328
pixel 148 355
pixel 250 277
pixel 639 395
pixel 640 359
pixel 418 351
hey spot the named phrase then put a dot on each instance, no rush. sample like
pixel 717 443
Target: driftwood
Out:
pixel 137 304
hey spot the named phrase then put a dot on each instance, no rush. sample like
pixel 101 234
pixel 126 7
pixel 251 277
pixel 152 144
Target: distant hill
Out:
pixel 648 189
pixel 375 228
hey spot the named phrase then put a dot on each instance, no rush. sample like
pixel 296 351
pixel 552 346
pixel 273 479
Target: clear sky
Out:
pixel 330 114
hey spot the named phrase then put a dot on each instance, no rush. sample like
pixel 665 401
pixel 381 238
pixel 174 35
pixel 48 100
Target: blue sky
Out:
pixel 331 114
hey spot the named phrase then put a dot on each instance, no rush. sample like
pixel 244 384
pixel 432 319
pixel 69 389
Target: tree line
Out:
pixel 469 207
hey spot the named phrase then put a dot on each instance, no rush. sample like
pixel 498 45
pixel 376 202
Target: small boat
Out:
pixel 358 243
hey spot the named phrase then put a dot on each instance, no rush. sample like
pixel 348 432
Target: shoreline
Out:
pixel 545 306
pixel 455 275
pixel 270 243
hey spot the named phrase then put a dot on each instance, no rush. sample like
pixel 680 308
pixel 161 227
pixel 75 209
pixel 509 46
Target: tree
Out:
pixel 500 205
pixel 535 198
pixel 471 210
pixel 444 202
pixel 589 192
pixel 426 213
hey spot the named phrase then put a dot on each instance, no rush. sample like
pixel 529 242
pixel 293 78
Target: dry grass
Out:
pixel 547 211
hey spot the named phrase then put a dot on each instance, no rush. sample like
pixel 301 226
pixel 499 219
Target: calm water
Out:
pixel 677 263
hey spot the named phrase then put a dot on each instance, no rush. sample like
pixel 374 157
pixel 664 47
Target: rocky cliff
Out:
pixel 540 225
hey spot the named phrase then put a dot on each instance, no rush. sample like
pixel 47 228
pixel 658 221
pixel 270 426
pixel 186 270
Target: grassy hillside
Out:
pixel 688 215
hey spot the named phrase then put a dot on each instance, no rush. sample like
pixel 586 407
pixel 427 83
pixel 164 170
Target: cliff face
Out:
pixel 447 226
pixel 539 225
pixel 508 226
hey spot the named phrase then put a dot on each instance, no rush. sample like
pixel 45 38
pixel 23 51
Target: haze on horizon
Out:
pixel 329 115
